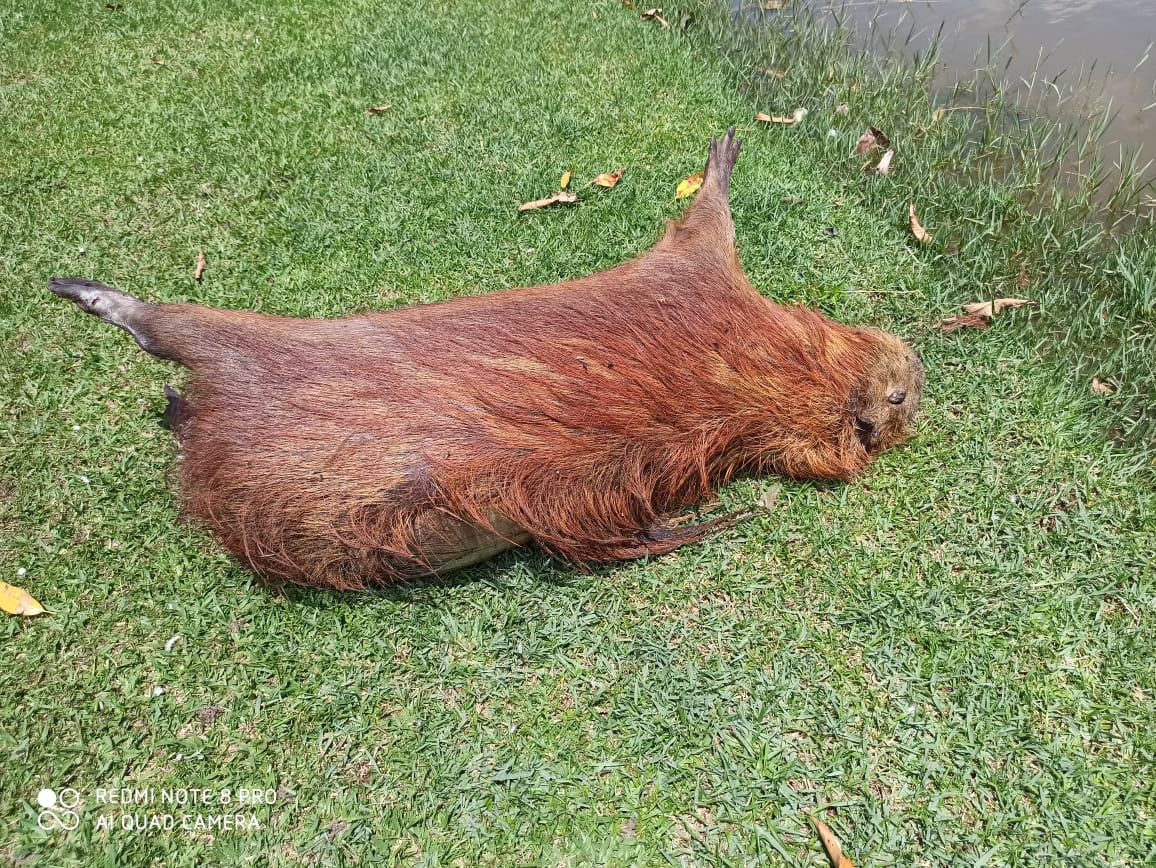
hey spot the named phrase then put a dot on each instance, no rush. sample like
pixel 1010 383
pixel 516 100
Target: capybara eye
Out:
pixel 897 397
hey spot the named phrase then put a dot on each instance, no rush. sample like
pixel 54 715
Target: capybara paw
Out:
pixel 723 154
pixel 109 304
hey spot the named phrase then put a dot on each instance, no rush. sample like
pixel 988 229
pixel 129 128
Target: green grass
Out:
pixel 951 660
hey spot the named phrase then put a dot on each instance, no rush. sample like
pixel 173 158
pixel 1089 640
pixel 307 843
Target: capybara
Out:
pixel 579 416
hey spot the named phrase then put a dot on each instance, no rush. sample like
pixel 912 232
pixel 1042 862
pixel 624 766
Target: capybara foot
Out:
pixel 721 160
pixel 111 305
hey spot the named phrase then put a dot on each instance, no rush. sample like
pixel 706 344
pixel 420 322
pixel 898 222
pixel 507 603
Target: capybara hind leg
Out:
pixel 707 224
pixel 111 305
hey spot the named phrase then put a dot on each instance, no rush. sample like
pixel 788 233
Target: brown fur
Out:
pixel 578 416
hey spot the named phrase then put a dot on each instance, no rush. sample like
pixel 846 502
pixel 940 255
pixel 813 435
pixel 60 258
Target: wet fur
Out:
pixel 578 416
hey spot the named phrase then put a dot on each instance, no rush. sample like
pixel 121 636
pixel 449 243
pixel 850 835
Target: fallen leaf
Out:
pixel 995 306
pixel 656 14
pixel 831 845
pixel 378 109
pixel 968 321
pixel 607 179
pixel 627 4
pixel 199 269
pixel 884 167
pixel 560 197
pixel 842 108
pixel 1024 279
pixel 872 137
pixel 775 5
pixel 777 73
pixel 689 186
pixel 938 115
pixel 1102 388
pixel 686 21
pixel 921 234
pixel 564 181
pixel 770 496
pixel 763 117
pixel 17 601
pixel 792 200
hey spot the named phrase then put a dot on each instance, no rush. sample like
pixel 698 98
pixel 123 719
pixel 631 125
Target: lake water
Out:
pixel 1044 39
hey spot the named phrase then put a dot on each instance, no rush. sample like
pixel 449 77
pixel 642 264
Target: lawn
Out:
pixel 951 661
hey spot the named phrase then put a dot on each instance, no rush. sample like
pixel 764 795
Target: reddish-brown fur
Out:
pixel 579 415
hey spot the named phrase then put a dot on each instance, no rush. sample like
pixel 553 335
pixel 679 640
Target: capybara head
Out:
pixel 882 407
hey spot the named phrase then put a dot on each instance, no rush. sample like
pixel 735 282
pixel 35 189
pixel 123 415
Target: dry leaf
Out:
pixel 607 179
pixel 564 181
pixel 199 269
pixel 994 307
pixel 842 108
pixel 968 321
pixel 872 137
pixel 763 117
pixel 689 186
pixel 884 167
pixel 775 5
pixel 792 200
pixel 921 234
pixel 17 601
pixel 378 109
pixel 777 73
pixel 656 14
pixel 770 496
pixel 1024 279
pixel 939 114
pixel 831 845
pixel 560 197
pixel 1102 388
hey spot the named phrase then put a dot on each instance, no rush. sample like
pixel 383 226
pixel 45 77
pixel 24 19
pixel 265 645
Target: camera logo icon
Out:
pixel 58 810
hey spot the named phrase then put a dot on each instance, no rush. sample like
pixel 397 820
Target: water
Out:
pixel 1102 44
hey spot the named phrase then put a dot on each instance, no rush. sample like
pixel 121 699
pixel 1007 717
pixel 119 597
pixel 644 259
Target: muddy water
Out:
pixel 1100 41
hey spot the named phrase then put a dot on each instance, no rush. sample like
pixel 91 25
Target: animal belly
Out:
pixel 448 543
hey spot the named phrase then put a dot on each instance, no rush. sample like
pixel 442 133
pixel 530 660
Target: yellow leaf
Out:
pixel 688 186
pixel 1102 388
pixel 561 196
pixel 199 270
pixel 831 845
pixel 565 181
pixel 17 601
pixel 921 234
pixel 377 109
pixel 763 117
pixel 607 179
